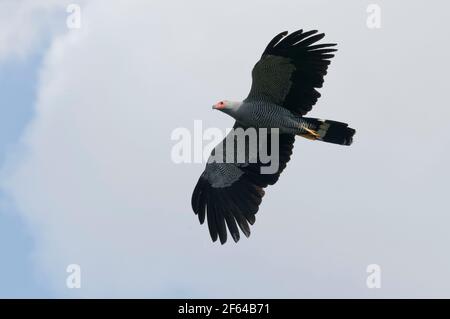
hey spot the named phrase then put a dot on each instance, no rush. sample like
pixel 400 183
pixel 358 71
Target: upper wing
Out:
pixel 229 194
pixel 290 70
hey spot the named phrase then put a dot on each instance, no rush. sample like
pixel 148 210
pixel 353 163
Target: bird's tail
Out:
pixel 326 130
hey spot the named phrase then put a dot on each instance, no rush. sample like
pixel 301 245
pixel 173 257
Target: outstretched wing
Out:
pixel 290 70
pixel 229 193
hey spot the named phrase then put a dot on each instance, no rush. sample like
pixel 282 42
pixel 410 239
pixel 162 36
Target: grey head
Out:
pixel 228 107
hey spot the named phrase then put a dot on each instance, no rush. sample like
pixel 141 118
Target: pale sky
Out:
pixel 86 117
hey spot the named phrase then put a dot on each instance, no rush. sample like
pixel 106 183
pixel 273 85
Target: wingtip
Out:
pixel 235 236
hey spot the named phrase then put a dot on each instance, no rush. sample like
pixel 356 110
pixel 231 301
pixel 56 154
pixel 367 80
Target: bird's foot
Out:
pixel 313 135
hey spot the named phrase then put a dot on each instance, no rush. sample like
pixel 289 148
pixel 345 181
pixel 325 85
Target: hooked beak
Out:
pixel 218 106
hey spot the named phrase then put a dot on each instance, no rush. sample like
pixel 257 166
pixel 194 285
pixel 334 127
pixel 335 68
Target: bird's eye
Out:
pixel 221 103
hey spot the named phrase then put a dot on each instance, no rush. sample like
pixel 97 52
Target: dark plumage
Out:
pixel 283 90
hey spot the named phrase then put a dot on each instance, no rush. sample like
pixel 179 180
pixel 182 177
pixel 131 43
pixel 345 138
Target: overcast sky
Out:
pixel 86 117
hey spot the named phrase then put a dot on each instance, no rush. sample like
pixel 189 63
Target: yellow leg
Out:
pixel 313 133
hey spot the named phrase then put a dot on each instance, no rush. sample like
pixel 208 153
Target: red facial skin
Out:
pixel 219 105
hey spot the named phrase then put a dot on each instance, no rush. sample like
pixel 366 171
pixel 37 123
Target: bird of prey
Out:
pixel 283 90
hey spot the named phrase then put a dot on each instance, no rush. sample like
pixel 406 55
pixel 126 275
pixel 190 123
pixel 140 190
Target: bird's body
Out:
pixel 231 188
pixel 262 114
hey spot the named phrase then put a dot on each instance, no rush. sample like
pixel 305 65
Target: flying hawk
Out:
pixel 283 91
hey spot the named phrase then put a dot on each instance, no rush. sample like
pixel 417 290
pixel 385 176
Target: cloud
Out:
pixel 97 187
pixel 27 24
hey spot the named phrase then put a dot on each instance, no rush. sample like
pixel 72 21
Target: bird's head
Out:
pixel 227 106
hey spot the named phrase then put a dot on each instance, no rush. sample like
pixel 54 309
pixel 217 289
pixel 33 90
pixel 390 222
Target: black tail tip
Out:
pixel 339 133
pixel 348 139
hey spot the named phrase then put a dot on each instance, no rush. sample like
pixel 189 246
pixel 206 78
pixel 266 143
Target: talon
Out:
pixel 314 133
